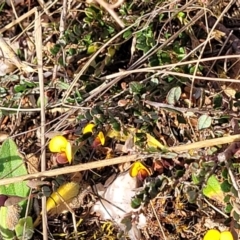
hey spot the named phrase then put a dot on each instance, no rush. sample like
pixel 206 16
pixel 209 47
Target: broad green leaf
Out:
pixel 11 165
pixel 174 95
pixel 204 121
pixel 213 190
pixel 24 229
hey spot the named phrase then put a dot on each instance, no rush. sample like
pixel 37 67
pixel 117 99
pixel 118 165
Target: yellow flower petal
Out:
pixel 120 136
pixel 58 144
pixel 101 137
pixel 226 235
pixel 68 152
pixel 212 234
pixel 88 128
pixel 153 142
pixel 138 167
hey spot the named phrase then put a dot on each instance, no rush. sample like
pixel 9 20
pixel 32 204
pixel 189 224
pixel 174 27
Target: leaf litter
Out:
pixel 158 80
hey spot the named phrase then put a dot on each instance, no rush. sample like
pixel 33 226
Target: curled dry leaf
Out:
pixel 36 183
pixel 32 163
pixel 11 60
pixel 122 102
pixel 13 200
pixel 6 67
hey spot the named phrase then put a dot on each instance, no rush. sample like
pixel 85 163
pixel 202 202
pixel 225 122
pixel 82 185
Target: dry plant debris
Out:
pixel 93 91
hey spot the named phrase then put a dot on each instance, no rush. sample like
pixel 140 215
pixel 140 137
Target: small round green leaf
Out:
pixel 204 121
pixel 225 186
pixel 228 208
pixel 213 190
pixel 136 202
pixel 174 95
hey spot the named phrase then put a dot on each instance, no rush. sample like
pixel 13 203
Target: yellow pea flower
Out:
pixel 139 170
pixel 60 144
pixel 226 235
pixel 214 234
pixel 88 128
pixel 100 138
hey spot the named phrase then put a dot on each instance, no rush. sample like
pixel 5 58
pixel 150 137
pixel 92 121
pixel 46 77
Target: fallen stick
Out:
pixel 122 159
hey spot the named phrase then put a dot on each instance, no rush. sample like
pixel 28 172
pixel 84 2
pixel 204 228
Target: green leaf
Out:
pixel 92 48
pixel 45 101
pixel 3 92
pixel 136 202
pixel 24 228
pixel 226 186
pixel 174 95
pixel 54 50
pixel 116 125
pixel 191 196
pixel 135 87
pixel 237 95
pixel 204 121
pixel 227 198
pixel 195 178
pixel 228 208
pixel 217 101
pixel 213 190
pixel 127 34
pixel 11 165
pixel 19 88
pixel 62 85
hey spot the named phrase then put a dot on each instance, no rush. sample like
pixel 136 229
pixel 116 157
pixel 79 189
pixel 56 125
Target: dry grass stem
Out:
pixel 38 42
